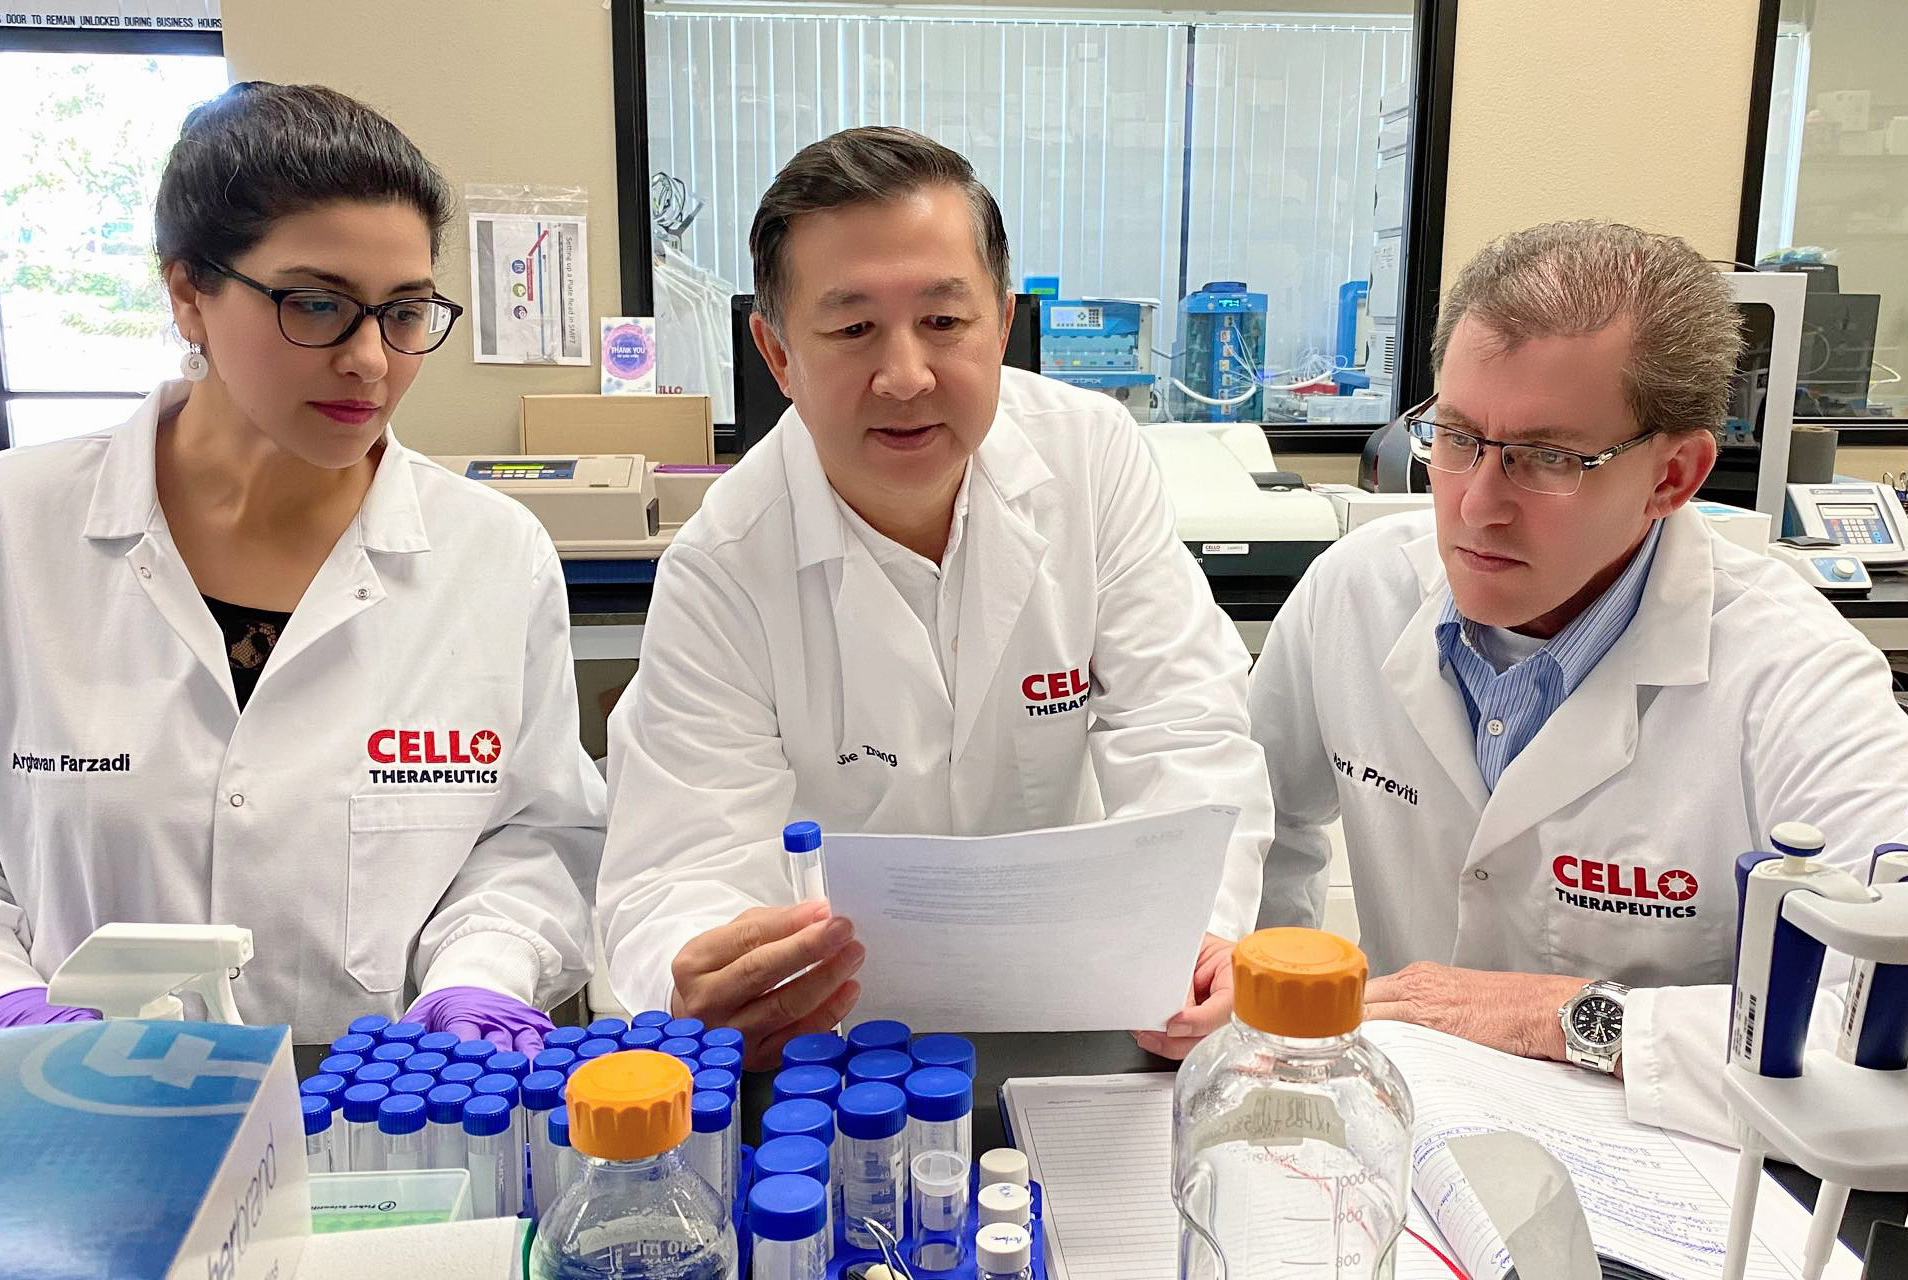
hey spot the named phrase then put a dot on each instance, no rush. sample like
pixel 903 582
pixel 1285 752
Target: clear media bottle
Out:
pixel 788 1216
pixel 637 1209
pixel 872 1168
pixel 1291 1134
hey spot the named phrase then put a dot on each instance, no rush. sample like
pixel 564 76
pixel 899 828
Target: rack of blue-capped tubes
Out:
pixel 378 1060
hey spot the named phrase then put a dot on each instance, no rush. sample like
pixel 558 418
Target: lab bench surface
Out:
pixel 1005 1057
pixel 607 621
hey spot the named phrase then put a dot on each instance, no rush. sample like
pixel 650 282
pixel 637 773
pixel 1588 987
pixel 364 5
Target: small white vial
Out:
pixel 1003 1252
pixel 872 1169
pixel 401 1131
pixel 939 1182
pixel 1003 1164
pixel 1006 1202
pixel 317 1133
pixel 788 1216
pixel 495 1160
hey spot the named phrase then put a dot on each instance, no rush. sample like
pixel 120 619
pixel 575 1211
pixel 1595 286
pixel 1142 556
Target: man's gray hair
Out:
pixel 1572 278
pixel 871 165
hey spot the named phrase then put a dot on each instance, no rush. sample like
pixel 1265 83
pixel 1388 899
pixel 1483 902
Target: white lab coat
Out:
pixel 776 649
pixel 1736 699
pixel 441 610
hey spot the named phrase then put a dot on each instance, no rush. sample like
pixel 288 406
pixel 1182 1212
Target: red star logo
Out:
pixel 1677 886
pixel 484 748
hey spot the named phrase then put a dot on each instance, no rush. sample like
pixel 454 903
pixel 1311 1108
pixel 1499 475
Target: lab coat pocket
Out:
pixel 405 850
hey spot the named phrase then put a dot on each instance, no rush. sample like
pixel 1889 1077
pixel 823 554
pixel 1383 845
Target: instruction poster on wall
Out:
pixel 530 275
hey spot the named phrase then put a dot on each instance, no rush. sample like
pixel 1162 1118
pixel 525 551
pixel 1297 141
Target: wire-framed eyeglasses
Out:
pixel 1538 468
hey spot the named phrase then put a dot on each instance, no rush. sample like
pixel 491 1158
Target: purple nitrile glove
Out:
pixel 473 1013
pixel 27 1007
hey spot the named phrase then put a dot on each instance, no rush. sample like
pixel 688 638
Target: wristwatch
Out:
pixel 1593 1026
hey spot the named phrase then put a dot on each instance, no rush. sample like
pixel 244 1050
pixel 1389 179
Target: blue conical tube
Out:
pixel 802 841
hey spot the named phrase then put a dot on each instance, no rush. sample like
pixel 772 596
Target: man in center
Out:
pixel 941 597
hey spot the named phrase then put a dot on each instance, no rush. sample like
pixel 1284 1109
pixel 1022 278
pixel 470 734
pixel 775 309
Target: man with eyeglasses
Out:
pixel 1553 711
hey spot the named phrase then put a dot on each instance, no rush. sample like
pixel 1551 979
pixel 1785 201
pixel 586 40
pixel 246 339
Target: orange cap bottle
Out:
pixel 630 1105
pixel 1302 983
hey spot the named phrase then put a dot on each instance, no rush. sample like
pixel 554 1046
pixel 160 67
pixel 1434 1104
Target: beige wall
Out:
pixel 492 91
pixel 1628 109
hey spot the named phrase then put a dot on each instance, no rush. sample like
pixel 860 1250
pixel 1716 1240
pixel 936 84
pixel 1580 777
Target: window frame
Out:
pixel 208 42
pixel 1863 431
pixel 1434 32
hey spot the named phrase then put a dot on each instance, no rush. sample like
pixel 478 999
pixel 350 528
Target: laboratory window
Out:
pixel 1208 210
pixel 1834 202
pixel 85 327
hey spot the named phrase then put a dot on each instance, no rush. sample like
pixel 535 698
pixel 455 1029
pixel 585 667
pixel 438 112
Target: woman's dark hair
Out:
pixel 260 152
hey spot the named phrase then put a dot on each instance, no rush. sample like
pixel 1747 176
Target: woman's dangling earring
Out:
pixel 194 365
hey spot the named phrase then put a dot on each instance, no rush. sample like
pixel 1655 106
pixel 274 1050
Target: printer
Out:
pixel 596 506
pixel 1239 515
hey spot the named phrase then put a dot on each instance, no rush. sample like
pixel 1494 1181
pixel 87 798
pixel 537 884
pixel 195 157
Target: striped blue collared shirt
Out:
pixel 1508 709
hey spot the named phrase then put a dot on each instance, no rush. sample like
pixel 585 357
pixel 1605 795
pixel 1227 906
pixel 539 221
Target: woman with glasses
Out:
pixel 262 665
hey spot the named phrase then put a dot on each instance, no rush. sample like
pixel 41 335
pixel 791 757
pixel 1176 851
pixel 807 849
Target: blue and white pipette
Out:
pixel 1778 968
pixel 1875 1019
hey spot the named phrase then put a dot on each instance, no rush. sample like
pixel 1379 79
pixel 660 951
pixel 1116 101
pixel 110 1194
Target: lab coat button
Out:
pixel 1495 727
pixel 144 572
pixel 238 801
pixel 1480 874
pixel 363 593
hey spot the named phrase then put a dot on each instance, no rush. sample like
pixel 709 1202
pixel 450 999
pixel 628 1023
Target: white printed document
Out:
pixel 1088 928
pixel 530 289
pixel 1657 1202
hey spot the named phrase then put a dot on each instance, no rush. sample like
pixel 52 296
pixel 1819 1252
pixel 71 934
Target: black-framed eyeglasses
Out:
pixel 312 317
pixel 1538 468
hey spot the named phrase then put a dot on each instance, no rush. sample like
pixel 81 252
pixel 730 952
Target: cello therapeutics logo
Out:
pixel 1050 693
pixel 388 749
pixel 1625 888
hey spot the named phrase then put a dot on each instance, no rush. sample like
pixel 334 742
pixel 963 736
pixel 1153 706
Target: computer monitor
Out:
pixel 759 402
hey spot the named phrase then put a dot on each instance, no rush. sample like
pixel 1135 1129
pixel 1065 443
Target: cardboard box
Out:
pixel 151 1151
pixel 661 428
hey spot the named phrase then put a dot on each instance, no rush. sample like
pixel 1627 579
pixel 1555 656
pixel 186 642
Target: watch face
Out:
pixel 1597 1020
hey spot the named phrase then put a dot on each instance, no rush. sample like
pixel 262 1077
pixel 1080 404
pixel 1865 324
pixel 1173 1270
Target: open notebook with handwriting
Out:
pixel 1101 1147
